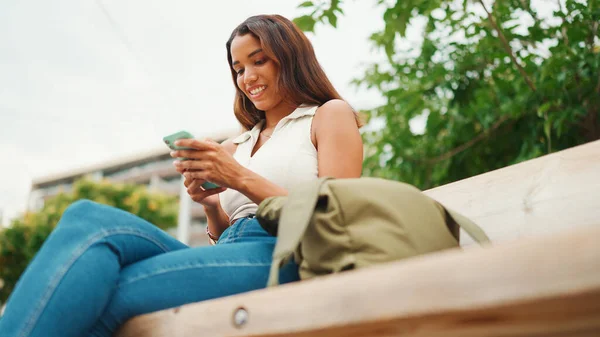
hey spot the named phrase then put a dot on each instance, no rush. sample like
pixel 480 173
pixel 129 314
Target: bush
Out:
pixel 20 242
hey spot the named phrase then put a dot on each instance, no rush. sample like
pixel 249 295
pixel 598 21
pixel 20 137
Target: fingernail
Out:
pixel 176 162
pixel 172 153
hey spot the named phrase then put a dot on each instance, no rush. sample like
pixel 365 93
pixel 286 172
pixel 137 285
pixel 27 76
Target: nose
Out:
pixel 250 76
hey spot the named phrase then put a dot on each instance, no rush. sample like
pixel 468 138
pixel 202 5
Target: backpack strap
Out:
pixel 469 226
pixel 295 218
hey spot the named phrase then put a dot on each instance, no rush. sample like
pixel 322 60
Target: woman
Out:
pixel 102 266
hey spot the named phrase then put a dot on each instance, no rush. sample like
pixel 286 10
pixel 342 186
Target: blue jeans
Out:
pixel 102 266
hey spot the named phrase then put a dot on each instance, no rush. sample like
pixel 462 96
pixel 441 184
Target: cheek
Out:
pixel 273 74
pixel 240 83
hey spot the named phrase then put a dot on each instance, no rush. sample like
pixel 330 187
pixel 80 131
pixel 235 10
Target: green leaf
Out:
pixel 334 4
pixel 547 128
pixel 544 108
pixel 305 23
pixel 332 18
pixel 306 4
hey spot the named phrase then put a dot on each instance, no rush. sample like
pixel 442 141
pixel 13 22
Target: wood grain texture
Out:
pixel 541 286
pixel 541 196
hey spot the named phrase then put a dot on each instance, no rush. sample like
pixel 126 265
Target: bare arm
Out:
pixel 338 141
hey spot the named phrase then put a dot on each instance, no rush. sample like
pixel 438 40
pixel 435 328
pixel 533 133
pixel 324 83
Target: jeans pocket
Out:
pixel 253 231
pixel 233 232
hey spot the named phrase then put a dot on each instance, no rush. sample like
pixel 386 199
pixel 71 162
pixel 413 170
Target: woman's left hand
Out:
pixel 209 161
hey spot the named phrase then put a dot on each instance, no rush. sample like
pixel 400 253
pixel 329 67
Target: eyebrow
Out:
pixel 249 55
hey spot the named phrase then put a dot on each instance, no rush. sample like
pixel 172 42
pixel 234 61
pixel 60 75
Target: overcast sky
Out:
pixel 73 94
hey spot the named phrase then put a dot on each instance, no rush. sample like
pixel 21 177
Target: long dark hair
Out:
pixel 301 78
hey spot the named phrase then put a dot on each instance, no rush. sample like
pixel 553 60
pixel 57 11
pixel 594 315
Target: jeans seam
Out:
pixel 240 231
pixel 235 231
pixel 198 266
pixel 55 281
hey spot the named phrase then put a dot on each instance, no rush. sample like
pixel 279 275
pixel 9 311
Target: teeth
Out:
pixel 257 90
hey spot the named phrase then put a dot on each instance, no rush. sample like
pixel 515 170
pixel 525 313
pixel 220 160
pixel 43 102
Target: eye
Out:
pixel 261 61
pixel 239 71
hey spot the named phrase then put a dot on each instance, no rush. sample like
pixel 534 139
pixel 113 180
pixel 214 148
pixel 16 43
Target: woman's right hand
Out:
pixel 208 198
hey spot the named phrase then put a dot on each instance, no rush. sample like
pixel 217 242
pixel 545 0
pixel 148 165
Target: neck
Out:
pixel 273 116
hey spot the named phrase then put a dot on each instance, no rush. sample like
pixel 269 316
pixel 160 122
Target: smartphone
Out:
pixel 170 141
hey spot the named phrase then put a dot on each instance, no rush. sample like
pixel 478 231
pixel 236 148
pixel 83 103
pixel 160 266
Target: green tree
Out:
pixel 497 84
pixel 20 242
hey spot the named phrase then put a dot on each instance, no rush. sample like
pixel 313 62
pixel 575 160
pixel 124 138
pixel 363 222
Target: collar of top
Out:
pixel 301 111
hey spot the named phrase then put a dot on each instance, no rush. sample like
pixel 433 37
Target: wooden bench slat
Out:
pixel 542 285
pixel 540 196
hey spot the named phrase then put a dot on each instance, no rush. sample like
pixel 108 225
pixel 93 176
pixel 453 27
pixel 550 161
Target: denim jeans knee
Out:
pixel 88 217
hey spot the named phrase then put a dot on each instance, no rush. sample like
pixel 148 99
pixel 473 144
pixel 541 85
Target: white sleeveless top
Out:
pixel 289 157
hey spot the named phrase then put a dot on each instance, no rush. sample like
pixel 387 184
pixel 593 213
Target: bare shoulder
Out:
pixel 229 145
pixel 335 107
pixel 336 117
pixel 334 113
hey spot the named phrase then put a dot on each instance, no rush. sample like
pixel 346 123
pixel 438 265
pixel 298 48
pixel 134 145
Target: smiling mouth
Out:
pixel 257 91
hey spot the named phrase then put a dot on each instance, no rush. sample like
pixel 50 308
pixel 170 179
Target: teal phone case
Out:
pixel 170 141
pixel 208 185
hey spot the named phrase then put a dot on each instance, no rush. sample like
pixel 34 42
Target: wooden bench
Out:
pixel 540 278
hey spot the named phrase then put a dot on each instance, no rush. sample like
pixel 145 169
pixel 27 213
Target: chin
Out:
pixel 264 106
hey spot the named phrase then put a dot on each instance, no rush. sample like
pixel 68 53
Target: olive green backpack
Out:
pixel 332 225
